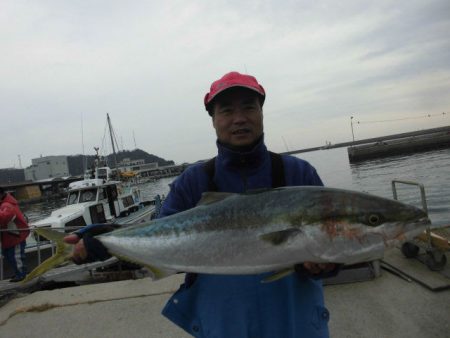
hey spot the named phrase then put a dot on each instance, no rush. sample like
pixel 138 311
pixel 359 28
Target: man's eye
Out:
pixel 225 110
pixel 250 107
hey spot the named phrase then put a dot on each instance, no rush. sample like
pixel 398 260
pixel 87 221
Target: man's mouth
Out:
pixel 241 131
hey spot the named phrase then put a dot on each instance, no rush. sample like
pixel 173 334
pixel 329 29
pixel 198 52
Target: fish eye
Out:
pixel 374 219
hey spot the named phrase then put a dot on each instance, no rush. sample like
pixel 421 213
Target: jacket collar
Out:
pixel 250 158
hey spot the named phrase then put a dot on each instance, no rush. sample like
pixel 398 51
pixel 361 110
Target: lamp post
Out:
pixel 351 124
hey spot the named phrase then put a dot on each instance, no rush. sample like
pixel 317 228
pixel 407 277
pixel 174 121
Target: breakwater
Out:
pixel 432 138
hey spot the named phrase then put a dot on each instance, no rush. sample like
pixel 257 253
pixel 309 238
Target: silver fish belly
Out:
pixel 269 230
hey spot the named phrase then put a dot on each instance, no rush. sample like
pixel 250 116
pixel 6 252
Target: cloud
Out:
pixel 149 64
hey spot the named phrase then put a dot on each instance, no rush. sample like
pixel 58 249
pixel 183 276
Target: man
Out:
pixel 13 235
pixel 242 306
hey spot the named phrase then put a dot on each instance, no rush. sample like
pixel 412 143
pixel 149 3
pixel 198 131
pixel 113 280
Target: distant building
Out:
pixel 47 167
pixel 136 165
pixel 11 175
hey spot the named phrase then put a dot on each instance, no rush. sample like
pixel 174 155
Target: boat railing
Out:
pixel 35 246
pixel 435 258
pixel 422 197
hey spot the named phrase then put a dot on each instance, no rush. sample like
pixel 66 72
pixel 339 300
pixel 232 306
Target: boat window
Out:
pixel 102 173
pixel 101 194
pixel 88 195
pixel 72 199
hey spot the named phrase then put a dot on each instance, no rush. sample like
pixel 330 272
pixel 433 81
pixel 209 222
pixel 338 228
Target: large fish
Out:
pixel 268 230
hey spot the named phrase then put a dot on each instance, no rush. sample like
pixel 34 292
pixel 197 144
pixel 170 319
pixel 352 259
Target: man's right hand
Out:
pixel 79 253
pixel 86 247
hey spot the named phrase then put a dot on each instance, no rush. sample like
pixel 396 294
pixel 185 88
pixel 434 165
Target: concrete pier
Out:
pixel 405 145
pixel 373 140
pixel 387 306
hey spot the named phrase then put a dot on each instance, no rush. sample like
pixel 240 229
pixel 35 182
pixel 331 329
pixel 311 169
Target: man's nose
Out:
pixel 239 115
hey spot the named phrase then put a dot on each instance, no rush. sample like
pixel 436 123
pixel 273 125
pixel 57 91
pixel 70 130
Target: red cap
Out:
pixel 233 79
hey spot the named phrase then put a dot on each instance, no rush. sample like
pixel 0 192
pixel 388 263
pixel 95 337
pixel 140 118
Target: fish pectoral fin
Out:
pixel 156 271
pixel 278 275
pixel 279 237
pixel 159 273
pixel 212 197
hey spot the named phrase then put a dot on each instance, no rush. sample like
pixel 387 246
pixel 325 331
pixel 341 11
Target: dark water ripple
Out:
pixel 432 169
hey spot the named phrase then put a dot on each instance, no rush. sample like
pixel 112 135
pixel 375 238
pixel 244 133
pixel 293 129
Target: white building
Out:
pixel 47 167
pixel 136 165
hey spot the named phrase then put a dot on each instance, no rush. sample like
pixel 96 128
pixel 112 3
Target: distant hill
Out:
pixel 76 164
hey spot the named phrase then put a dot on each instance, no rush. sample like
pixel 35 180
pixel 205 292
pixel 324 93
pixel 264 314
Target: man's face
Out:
pixel 238 117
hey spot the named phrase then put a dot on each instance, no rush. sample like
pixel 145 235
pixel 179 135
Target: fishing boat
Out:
pixel 98 200
pixel 100 197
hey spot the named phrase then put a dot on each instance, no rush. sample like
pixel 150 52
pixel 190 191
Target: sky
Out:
pixel 65 64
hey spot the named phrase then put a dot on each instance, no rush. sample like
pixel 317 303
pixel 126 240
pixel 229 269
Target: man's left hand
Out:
pixel 317 270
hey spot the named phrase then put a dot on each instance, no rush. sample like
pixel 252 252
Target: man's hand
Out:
pixel 317 270
pixel 79 253
pixel 87 248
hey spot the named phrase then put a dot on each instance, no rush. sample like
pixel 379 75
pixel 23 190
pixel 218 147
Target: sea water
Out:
pixel 432 169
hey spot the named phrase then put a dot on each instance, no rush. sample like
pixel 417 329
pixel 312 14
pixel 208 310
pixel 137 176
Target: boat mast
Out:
pixel 112 139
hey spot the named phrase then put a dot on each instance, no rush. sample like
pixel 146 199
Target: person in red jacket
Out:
pixel 13 235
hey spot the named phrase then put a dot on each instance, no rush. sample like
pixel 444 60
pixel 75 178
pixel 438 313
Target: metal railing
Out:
pixel 38 247
pixel 423 199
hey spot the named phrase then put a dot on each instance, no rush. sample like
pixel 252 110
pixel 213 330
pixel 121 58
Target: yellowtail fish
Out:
pixel 268 230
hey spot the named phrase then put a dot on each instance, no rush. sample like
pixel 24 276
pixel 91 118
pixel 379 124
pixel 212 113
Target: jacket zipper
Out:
pixel 243 172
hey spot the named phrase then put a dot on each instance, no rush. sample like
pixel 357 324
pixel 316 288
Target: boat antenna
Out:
pixel 134 139
pixel 82 146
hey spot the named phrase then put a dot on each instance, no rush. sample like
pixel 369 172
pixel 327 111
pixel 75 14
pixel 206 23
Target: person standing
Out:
pixel 238 306
pixel 241 305
pixel 14 232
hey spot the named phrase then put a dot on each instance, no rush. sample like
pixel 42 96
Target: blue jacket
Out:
pixel 241 306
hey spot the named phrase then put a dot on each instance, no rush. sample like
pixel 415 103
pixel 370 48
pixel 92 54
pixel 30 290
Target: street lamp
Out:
pixel 351 124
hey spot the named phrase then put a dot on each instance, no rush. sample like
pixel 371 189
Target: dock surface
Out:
pixel 387 306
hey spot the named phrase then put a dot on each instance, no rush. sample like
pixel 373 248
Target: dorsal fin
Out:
pixel 212 197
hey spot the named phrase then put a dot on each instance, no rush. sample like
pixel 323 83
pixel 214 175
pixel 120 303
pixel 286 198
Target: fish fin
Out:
pixel 257 191
pixel 62 255
pixel 157 272
pixel 280 237
pixel 212 197
pixel 278 275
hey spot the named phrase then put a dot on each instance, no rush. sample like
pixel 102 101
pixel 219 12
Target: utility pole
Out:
pixel 351 124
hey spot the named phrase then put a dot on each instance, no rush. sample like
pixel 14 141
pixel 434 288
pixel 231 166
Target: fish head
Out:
pixel 338 211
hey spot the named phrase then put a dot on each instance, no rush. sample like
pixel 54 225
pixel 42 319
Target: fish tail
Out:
pixel 62 254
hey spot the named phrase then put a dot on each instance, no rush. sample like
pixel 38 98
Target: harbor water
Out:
pixel 432 169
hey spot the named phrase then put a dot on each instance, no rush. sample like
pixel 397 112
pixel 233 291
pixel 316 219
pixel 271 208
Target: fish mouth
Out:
pixel 417 226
